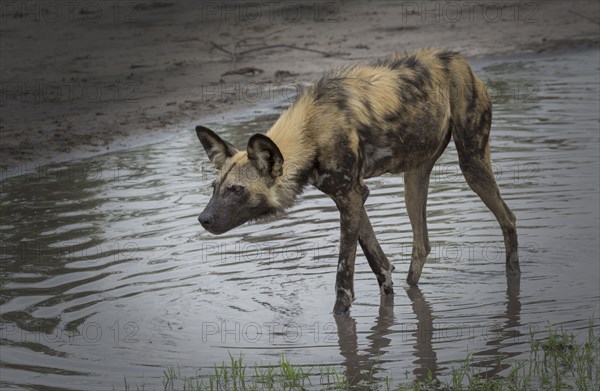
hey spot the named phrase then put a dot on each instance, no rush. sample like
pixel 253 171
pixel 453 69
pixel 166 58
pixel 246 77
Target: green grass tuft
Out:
pixel 556 362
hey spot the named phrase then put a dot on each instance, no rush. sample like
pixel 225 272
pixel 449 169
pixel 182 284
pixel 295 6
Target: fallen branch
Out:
pixel 585 17
pixel 221 48
pixel 243 52
pixel 326 54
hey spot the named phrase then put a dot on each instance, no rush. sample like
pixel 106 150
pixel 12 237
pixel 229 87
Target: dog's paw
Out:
pixel 340 308
pixel 413 278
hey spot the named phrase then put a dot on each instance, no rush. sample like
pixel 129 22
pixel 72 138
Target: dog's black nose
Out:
pixel 205 220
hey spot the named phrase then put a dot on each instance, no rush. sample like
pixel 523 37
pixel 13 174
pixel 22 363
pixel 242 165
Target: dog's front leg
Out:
pixel 350 206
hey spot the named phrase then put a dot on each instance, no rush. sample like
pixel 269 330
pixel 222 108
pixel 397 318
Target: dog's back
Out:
pixel 400 108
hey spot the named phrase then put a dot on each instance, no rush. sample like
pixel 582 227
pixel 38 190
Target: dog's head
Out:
pixel 244 187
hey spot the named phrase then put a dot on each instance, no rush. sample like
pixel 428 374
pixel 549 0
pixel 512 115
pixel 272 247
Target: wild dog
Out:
pixel 357 122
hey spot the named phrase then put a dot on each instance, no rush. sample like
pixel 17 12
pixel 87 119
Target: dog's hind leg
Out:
pixel 379 263
pixel 416 186
pixel 472 145
pixel 477 170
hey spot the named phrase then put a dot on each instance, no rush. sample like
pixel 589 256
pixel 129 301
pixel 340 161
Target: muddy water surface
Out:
pixel 106 273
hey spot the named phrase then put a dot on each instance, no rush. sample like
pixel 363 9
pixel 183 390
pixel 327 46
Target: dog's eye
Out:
pixel 236 189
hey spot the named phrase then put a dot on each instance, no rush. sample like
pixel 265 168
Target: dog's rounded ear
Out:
pixel 265 155
pixel 217 149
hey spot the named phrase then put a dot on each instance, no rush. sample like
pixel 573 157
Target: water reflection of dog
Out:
pixel 362 367
pixel 505 334
pixel 426 358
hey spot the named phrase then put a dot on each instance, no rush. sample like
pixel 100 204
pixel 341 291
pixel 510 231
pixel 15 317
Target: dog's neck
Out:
pixel 291 137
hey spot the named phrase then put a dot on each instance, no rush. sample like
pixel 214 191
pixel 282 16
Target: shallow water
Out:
pixel 107 274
